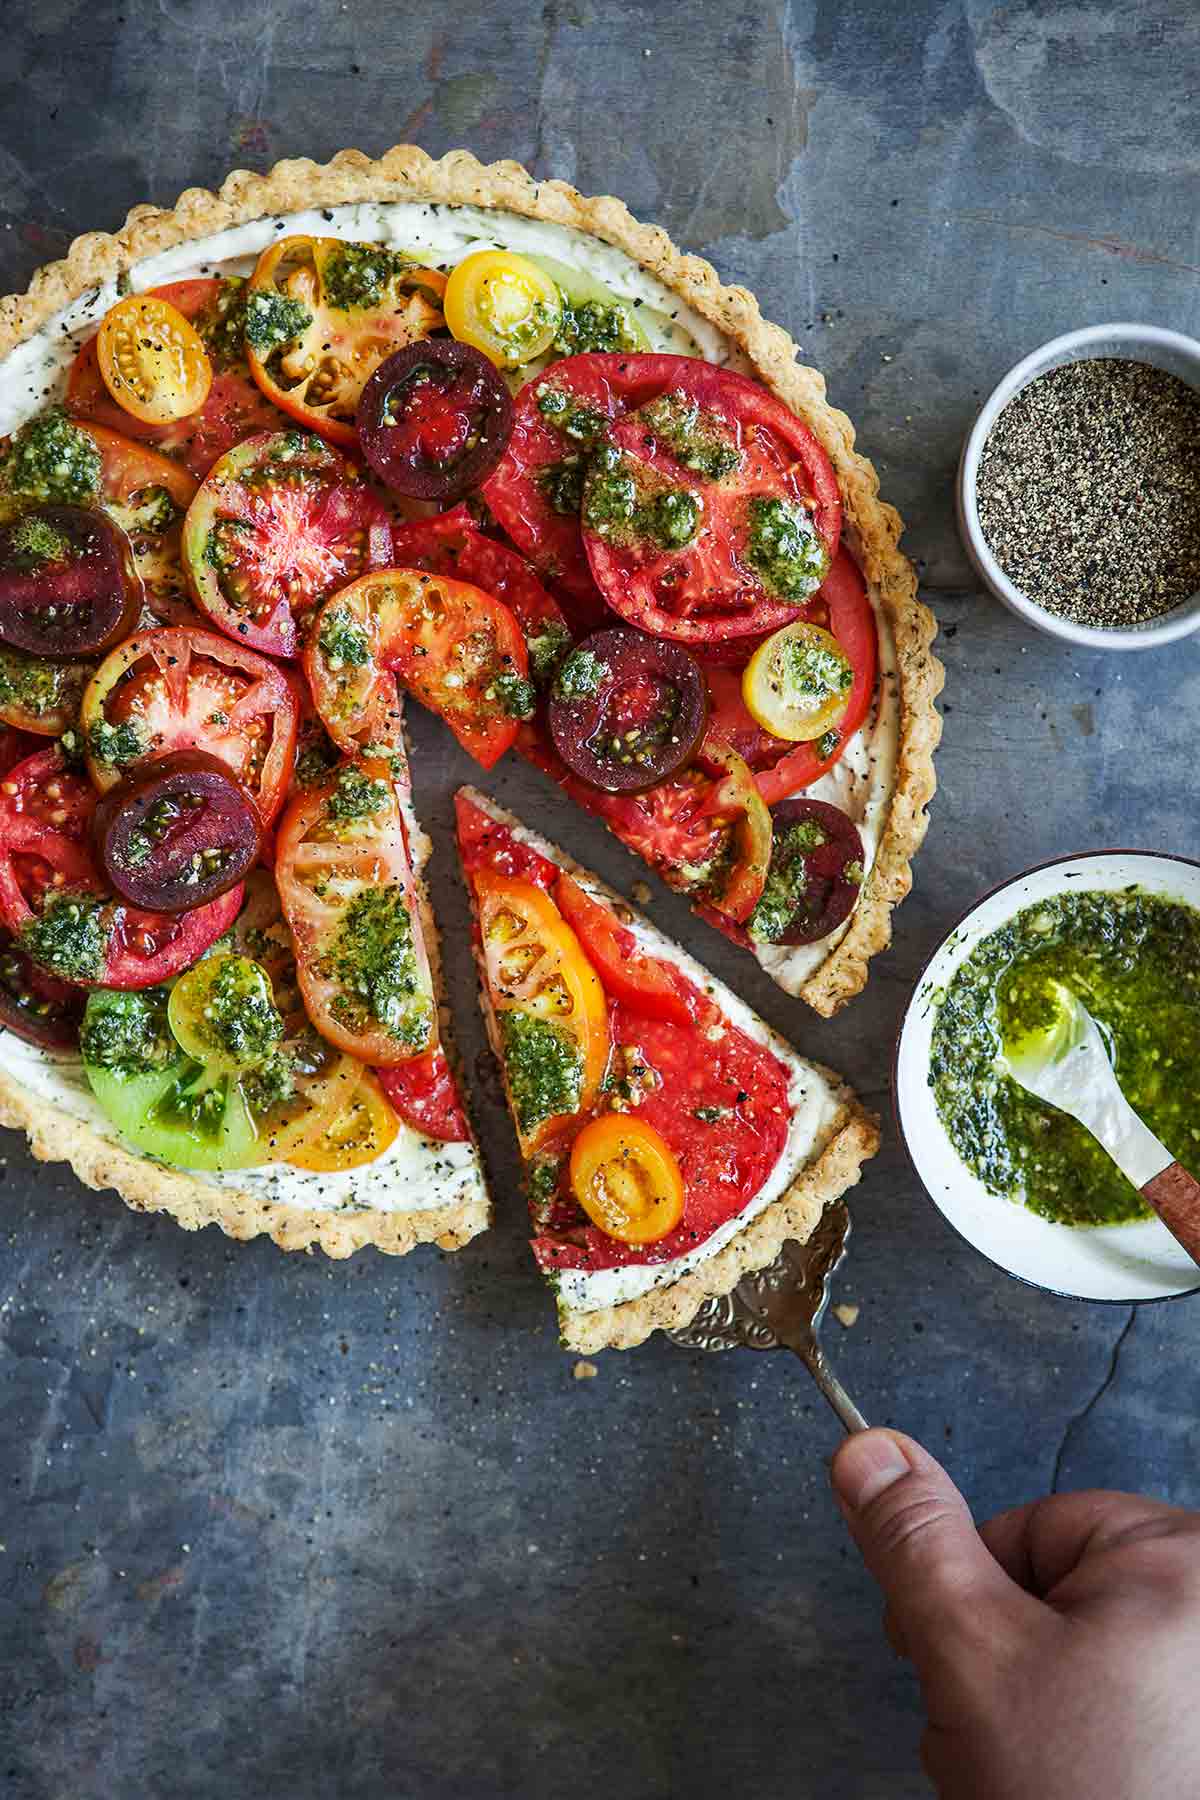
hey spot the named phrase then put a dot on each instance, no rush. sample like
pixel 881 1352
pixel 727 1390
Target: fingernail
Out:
pixel 865 1465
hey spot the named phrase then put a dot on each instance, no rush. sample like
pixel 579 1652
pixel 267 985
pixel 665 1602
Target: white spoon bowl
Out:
pixel 1115 1263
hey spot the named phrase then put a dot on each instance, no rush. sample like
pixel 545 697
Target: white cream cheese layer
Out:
pixel 813 1107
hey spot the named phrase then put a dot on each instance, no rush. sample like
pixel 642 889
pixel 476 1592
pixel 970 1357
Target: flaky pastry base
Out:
pixel 872 530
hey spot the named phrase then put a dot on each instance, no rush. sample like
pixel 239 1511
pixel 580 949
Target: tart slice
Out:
pixel 671 1140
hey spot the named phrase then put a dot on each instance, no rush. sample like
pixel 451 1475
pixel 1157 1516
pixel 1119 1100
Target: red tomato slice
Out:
pixel 15 746
pixel 235 406
pixel 452 544
pixel 706 831
pixel 843 606
pixel 646 984
pixel 45 817
pixel 455 648
pixel 425 1094
pixel 183 689
pixel 279 523
pixel 720 1102
pixel 348 893
pixel 484 844
pixel 707 589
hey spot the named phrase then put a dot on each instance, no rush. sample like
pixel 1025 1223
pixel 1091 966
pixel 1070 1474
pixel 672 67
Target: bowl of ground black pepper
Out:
pixel 1079 488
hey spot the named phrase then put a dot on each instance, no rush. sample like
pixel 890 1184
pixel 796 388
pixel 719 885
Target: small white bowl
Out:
pixel 1120 1263
pixel 1169 350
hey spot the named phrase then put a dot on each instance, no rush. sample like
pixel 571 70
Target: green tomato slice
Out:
pixel 594 318
pixel 167 1104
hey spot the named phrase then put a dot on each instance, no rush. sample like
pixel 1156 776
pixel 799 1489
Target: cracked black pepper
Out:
pixel 1089 491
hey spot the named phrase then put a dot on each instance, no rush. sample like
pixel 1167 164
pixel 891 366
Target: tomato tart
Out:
pixel 271 461
pixel 671 1140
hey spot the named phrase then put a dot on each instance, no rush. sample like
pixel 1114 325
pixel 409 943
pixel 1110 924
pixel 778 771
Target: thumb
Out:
pixel 943 1589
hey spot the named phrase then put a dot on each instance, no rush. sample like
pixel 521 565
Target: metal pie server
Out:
pixel 781 1308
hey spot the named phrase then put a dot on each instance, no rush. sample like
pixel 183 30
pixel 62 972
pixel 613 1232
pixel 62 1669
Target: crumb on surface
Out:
pixel 846 1315
pixel 585 1371
pixel 640 892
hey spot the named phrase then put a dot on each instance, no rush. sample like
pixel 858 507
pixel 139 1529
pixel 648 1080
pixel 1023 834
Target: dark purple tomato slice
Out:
pixel 815 876
pixel 435 419
pixel 68 585
pixel 37 1006
pixel 627 710
pixel 177 833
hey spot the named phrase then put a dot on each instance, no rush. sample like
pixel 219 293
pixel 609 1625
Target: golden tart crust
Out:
pixel 872 530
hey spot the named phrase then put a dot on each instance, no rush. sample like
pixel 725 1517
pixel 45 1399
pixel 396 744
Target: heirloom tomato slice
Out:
pixel 279 523
pixel 425 1094
pixel 178 688
pixel 645 984
pixel 349 895
pixel 147 494
pixel 235 407
pixel 322 314
pixel 706 509
pixel 550 1008
pixel 456 648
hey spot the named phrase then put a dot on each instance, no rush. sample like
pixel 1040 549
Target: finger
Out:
pixel 943 1589
pixel 1039 1545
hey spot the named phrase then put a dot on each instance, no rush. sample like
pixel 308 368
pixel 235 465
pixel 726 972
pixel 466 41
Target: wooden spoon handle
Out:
pixel 1175 1197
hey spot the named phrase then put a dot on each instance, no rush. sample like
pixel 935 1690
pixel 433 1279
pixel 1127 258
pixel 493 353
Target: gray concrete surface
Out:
pixel 273 1526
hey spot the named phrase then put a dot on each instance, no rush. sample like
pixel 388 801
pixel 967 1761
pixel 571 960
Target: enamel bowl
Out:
pixel 1169 350
pixel 1118 1263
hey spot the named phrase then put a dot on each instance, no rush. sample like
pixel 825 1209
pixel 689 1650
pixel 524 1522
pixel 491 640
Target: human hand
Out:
pixel 1058 1649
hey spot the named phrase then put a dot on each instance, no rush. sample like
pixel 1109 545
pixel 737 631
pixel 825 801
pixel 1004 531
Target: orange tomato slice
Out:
pixel 625 1176
pixel 550 1008
pixel 360 1129
pixel 152 360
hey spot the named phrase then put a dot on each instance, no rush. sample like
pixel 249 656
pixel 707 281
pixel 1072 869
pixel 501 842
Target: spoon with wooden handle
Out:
pixel 1066 1062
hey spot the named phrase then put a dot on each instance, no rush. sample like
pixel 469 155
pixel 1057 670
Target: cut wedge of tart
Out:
pixel 671 1140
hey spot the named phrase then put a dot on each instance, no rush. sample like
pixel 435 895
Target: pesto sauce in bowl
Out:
pixel 1133 958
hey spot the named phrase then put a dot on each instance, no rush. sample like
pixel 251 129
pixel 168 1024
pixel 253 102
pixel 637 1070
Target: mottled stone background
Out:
pixel 274 1526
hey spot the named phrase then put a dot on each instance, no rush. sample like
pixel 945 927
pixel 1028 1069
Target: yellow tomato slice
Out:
pixel 797 683
pixel 503 304
pixel 359 1130
pixel 625 1176
pixel 551 1009
pixel 152 360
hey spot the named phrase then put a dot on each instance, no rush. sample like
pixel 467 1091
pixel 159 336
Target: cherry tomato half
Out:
pixel 361 1128
pixel 550 1009
pixel 177 831
pixel 235 407
pixel 625 1176
pixel 279 523
pixel 433 420
pixel 348 893
pixel 68 586
pixel 322 314
pixel 46 813
pixel 152 360
pixel 504 305
pixel 458 650
pixel 843 606
pixel 183 689
pixel 816 874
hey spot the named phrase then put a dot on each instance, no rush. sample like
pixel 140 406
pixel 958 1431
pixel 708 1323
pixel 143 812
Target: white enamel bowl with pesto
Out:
pixel 1162 349
pixel 1117 1263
